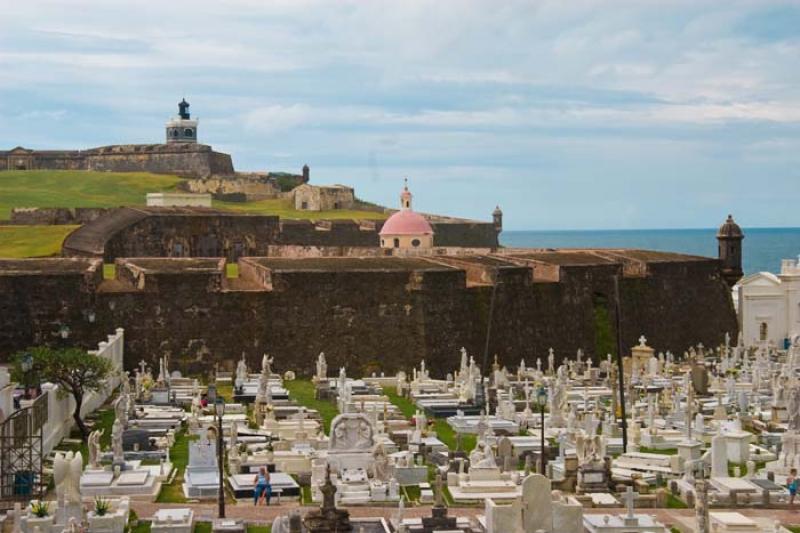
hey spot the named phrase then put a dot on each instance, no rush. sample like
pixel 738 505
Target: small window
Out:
pixel 383 243
pixel 177 250
pixel 397 243
pixel 762 331
pixel 415 243
pixel 188 132
pixel 304 205
pixel 174 133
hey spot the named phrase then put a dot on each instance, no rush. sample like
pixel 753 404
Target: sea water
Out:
pixel 762 248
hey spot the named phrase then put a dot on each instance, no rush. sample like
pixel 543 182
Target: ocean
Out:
pixel 762 249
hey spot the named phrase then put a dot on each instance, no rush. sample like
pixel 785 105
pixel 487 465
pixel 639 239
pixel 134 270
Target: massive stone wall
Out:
pixel 194 232
pixel 195 235
pixel 371 314
pixel 191 160
pixel 46 216
pixel 468 234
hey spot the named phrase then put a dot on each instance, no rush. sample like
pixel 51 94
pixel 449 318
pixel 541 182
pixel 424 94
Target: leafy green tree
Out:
pixel 75 371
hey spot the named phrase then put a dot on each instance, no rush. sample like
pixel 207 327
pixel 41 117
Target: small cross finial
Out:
pixel 642 341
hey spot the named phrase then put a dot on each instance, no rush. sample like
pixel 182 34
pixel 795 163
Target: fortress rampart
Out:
pixel 202 232
pixel 189 160
pixel 371 314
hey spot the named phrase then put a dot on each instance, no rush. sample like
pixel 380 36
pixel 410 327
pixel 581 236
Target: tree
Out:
pixel 75 371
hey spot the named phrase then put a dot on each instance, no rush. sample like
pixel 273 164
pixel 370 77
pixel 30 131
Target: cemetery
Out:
pixel 568 444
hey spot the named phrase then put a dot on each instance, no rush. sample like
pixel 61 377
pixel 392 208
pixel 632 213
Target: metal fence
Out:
pixel 21 454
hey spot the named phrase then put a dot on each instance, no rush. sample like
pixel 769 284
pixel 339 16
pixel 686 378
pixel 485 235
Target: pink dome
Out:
pixel 406 223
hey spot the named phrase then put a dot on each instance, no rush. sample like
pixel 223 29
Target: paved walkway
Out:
pixel 681 518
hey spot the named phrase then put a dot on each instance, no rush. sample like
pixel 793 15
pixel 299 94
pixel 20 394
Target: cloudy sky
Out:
pixel 570 114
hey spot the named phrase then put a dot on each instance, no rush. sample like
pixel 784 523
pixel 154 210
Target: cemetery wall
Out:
pixel 369 320
pixel 61 407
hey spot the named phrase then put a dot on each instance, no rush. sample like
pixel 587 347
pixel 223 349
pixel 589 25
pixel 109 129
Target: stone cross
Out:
pixel 143 366
pixel 701 502
pixel 562 446
pixel 642 341
pixel 630 497
pixel 439 502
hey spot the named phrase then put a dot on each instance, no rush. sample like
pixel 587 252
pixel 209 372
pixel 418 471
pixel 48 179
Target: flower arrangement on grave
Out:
pixel 40 509
pixel 101 506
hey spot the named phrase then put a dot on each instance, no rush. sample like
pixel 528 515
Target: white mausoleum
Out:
pixel 769 305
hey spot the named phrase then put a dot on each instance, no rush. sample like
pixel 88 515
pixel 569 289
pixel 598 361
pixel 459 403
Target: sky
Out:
pixel 569 114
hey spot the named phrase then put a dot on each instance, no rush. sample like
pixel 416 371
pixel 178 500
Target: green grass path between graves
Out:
pixel 304 392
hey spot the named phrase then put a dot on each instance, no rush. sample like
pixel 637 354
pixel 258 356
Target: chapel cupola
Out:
pixel 406 229
pixel 182 129
pixel 729 238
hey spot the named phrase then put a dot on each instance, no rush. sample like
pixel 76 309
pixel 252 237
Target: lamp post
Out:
pixel 27 365
pixel 219 408
pixel 63 334
pixel 541 401
pixel 219 411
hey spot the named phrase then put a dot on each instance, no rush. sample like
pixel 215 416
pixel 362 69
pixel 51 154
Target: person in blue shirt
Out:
pixel 791 484
pixel 263 487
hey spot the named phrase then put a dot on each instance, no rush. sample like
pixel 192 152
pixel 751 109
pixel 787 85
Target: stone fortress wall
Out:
pixel 49 216
pixel 371 314
pixel 190 160
pixel 201 232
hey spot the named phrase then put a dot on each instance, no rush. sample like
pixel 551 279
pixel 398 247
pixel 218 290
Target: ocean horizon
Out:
pixel 762 248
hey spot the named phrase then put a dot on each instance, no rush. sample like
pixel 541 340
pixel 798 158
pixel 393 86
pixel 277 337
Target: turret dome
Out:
pixel 730 229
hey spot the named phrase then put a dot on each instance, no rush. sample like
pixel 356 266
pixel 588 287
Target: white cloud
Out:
pixel 467 89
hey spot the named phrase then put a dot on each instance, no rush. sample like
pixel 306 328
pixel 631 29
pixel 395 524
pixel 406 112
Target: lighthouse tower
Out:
pixel 182 129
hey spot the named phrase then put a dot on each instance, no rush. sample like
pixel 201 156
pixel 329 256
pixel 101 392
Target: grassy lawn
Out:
pixel 225 391
pixel 103 419
pixel 405 405
pixel 68 188
pixel 303 392
pixel 673 502
pixel 412 493
pixel 668 451
pixel 259 529
pixel 79 188
pixel 142 527
pixel 447 435
pixel 443 430
pixel 32 241
pixel 179 455
pixel 305 493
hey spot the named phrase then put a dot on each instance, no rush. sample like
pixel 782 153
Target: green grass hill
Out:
pixel 66 188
